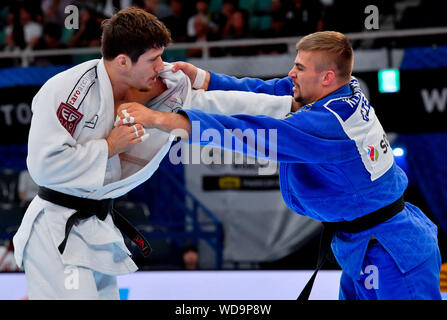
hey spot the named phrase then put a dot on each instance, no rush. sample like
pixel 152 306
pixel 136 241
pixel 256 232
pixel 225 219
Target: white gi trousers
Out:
pixel 56 280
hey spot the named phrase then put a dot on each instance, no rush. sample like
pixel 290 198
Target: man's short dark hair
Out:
pixel 132 31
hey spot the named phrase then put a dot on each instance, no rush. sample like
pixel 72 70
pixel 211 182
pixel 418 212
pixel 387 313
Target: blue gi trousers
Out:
pixel 381 279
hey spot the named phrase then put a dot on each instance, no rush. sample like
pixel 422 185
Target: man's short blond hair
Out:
pixel 337 46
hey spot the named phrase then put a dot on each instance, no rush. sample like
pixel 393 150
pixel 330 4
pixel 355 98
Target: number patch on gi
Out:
pixel 69 117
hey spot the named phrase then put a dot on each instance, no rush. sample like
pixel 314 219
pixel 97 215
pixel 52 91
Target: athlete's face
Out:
pixel 306 77
pixel 144 73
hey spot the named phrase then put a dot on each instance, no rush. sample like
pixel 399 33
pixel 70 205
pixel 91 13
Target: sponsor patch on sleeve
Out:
pixel 82 87
pixel 69 117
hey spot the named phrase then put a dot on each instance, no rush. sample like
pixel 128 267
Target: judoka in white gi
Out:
pixel 75 149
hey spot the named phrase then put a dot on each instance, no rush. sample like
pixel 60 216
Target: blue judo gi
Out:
pixel 336 164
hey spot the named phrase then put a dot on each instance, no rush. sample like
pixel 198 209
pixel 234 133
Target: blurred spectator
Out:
pixel 325 19
pixel 190 256
pixel 200 28
pixel 22 30
pixel 4 12
pixel 238 29
pixel 27 188
pixel 107 7
pixel 157 8
pixel 342 16
pixel 277 14
pixel 259 18
pixel 177 22
pixel 34 9
pixel 89 33
pixel 300 17
pixel 201 33
pixel 201 21
pixel 278 28
pixel 428 14
pixel 137 4
pixel 51 40
pixel 238 26
pixel 11 18
pixel 54 10
pixel 223 18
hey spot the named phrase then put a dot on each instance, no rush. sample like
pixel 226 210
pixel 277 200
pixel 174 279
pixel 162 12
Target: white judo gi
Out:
pixel 73 113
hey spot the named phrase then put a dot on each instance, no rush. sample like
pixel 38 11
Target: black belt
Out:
pixel 358 225
pixel 86 208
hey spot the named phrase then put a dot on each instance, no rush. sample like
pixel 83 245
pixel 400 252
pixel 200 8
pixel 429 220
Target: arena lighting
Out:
pixel 389 80
pixel 398 152
pixel 400 158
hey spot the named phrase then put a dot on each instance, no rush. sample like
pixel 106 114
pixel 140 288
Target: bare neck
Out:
pixel 119 87
pixel 143 97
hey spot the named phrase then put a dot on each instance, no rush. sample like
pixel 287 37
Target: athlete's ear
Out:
pixel 329 77
pixel 123 61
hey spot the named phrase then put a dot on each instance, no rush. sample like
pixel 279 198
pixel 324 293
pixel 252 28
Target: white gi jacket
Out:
pixel 73 113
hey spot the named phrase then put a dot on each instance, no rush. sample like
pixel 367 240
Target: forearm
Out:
pixel 175 123
pixel 288 140
pixel 239 102
pixel 136 113
pixel 275 86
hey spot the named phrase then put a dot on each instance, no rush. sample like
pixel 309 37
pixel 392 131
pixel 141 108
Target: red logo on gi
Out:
pixel 373 153
pixel 140 242
pixel 69 117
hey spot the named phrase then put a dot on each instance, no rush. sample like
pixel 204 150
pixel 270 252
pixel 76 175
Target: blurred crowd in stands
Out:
pixel 39 24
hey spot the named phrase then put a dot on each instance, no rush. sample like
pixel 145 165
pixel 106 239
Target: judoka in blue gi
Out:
pixel 336 165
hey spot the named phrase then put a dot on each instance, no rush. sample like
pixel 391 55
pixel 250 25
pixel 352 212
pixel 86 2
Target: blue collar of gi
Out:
pixel 345 91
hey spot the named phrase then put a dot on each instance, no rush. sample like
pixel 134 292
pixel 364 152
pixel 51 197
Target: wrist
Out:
pixel 207 81
pixel 155 119
pixel 170 122
pixel 110 147
pixel 201 80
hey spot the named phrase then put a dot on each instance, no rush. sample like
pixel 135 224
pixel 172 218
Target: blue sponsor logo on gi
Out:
pixel 364 110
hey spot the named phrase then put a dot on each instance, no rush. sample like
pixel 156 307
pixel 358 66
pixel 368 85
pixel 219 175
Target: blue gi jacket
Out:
pixel 335 164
